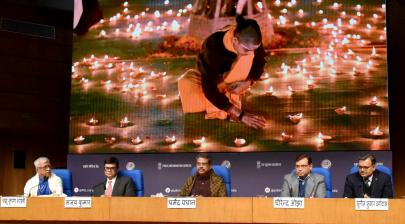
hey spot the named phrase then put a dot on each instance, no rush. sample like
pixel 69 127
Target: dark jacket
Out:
pixel 123 186
pixel 381 186
pixel 217 186
pixel 214 60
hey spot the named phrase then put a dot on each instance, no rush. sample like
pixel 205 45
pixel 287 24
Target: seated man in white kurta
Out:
pixel 44 182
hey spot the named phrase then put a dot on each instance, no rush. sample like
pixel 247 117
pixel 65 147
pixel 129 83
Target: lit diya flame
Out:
pixel 110 140
pixel 310 84
pixel 84 81
pixel 175 26
pixel 125 122
pixel 125 89
pixel 199 141
pixel 290 90
pixel 341 110
pixel 109 65
pixel 300 13
pixel 92 122
pixel 239 142
pixel 373 101
pixel 103 33
pixel 295 118
pixel 270 91
pixel 170 140
pixel 79 140
pixel 264 76
pixel 161 96
pixel 142 93
pixel 137 31
pixel 136 141
pixel 322 138
pixel 369 64
pixel 355 72
pixel 376 132
pixel 373 52
pixel 336 5
pixel 285 137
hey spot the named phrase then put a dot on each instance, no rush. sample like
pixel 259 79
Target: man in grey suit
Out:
pixel 304 183
pixel 114 185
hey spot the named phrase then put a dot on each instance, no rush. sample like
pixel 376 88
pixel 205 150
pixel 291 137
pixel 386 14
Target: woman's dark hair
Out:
pixel 247 30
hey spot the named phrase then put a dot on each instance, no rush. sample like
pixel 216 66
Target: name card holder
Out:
pixel 371 204
pixel 78 202
pixel 14 202
pixel 286 202
pixel 184 203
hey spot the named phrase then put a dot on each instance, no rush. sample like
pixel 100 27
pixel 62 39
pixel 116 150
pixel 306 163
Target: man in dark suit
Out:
pixel 114 185
pixel 368 182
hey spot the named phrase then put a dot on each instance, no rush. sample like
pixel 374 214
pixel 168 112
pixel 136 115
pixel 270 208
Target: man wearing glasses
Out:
pixel 368 182
pixel 205 183
pixel 114 185
pixel 44 182
pixel 304 183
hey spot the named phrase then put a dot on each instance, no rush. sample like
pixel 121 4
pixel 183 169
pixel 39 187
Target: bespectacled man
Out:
pixel 368 182
pixel 114 185
pixel 44 182
pixel 303 182
pixel 205 183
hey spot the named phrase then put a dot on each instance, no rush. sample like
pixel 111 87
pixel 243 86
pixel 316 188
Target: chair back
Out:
pixel 67 180
pixel 224 173
pixel 328 179
pixel 137 178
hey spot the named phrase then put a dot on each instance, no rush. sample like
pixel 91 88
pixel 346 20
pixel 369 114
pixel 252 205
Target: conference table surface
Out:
pixel 209 210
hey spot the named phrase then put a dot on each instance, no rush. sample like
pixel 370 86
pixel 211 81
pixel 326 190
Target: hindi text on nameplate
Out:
pixel 13 202
pixel 78 202
pixel 286 202
pixel 371 204
pixel 182 203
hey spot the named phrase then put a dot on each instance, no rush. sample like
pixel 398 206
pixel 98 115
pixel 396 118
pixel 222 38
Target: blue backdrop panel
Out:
pixel 252 174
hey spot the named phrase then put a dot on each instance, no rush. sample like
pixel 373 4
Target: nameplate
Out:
pixel 13 202
pixel 181 203
pixel 285 202
pixel 78 202
pixel 371 204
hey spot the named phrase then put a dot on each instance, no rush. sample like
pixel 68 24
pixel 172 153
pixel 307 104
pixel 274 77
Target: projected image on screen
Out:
pixel 323 88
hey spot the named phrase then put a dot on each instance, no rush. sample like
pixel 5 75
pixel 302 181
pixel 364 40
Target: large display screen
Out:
pixel 324 86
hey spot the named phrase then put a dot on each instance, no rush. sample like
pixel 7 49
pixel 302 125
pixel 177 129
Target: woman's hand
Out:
pixel 251 120
pixel 254 121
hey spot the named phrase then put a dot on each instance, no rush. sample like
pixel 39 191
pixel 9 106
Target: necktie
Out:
pixel 108 191
pixel 301 188
pixel 366 186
